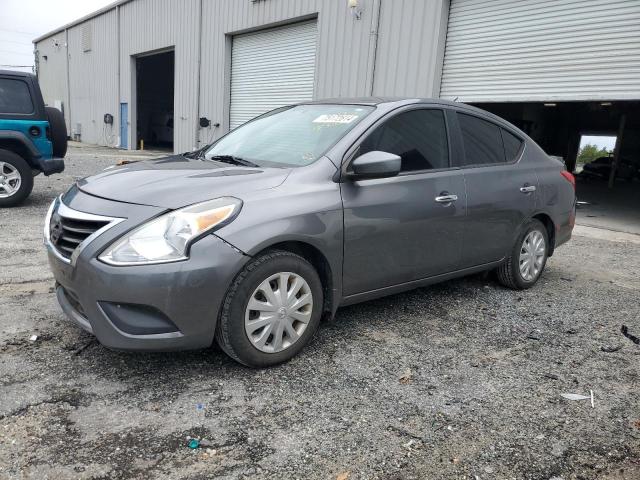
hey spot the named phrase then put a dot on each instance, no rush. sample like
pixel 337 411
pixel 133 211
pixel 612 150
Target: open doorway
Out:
pixel 154 100
pixel 595 155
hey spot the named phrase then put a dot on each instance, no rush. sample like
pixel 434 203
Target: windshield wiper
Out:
pixel 233 160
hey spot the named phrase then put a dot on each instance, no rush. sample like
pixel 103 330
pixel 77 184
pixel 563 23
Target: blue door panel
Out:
pixel 124 123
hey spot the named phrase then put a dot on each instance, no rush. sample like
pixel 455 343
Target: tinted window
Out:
pixel 482 141
pixel 14 96
pixel 512 145
pixel 419 137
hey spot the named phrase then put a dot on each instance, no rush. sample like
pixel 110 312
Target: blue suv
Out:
pixel 33 137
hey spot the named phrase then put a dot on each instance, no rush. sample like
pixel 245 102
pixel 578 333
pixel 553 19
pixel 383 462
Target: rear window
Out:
pixel 512 145
pixel 15 97
pixel 482 141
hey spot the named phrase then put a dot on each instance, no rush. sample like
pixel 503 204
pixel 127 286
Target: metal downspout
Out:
pixel 197 119
pixel 68 106
pixel 373 44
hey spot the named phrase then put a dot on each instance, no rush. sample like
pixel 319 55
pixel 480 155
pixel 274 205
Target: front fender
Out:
pixel 306 208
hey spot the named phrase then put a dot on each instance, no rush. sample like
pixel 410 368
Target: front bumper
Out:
pixel 162 307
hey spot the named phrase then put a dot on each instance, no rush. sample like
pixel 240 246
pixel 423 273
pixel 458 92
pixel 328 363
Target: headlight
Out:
pixel 167 238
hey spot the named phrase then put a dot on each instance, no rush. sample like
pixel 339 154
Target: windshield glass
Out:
pixel 290 137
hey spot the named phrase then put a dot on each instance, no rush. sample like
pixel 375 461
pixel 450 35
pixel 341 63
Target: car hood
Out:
pixel 177 181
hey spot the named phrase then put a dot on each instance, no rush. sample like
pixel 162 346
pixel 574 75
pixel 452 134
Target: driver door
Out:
pixel 408 227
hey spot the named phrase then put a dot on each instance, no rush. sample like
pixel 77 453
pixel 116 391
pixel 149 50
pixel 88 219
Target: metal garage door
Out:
pixel 501 50
pixel 270 69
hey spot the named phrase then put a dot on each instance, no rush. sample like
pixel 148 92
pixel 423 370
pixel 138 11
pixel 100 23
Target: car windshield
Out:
pixel 289 137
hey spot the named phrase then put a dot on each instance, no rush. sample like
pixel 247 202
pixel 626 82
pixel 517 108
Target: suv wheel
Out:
pixel 16 179
pixel 271 310
pixel 528 258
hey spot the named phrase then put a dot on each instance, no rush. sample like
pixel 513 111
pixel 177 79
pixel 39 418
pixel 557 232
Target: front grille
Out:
pixel 65 233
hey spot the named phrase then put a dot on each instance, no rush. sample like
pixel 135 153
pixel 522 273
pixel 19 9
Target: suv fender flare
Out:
pixel 20 137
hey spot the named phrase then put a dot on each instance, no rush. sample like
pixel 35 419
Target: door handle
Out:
pixel 446 198
pixel 528 188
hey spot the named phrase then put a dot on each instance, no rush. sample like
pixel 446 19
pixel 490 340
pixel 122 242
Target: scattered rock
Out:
pixel 558 449
pixel 610 348
pixel 406 376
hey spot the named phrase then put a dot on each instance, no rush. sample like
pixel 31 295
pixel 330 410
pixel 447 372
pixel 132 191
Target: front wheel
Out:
pixel 16 179
pixel 527 259
pixel 271 311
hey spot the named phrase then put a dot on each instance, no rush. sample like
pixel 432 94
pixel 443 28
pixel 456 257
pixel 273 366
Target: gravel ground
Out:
pixel 457 381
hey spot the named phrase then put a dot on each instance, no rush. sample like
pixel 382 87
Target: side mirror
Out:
pixel 375 164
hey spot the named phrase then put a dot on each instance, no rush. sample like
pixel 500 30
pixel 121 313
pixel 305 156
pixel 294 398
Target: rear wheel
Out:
pixel 16 179
pixel 271 310
pixel 528 258
pixel 58 129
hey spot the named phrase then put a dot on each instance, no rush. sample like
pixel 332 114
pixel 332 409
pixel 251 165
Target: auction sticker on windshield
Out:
pixel 335 118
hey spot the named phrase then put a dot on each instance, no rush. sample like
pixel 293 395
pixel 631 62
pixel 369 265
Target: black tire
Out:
pixel 26 179
pixel 58 129
pixel 509 272
pixel 230 330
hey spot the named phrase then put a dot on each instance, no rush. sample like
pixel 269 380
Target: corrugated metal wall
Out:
pixel 341 60
pixel 410 48
pixel 501 50
pixel 345 56
pixel 149 25
pixel 52 71
pixel 92 79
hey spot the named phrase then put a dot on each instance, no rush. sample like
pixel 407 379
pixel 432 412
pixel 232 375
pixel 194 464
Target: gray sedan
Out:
pixel 252 240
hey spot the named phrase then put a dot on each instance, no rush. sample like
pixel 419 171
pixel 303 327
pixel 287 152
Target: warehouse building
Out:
pixel 179 74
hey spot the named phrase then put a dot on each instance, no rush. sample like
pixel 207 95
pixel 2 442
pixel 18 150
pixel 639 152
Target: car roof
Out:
pixel 15 73
pixel 402 101
pixel 399 101
pixel 380 100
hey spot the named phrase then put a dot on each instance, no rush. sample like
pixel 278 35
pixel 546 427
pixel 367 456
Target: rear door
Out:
pixel 501 190
pixel 396 230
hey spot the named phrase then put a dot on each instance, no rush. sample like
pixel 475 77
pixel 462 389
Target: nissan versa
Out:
pixel 253 239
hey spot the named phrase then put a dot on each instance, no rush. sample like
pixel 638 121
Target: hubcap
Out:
pixel 278 312
pixel 532 255
pixel 10 180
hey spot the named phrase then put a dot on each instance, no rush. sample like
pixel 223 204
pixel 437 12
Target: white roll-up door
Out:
pixel 270 69
pixel 505 50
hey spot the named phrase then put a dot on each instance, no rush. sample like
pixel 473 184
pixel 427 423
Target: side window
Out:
pixel 482 141
pixel 512 145
pixel 15 97
pixel 419 137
